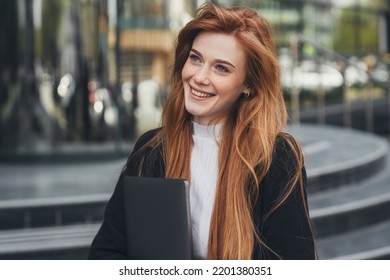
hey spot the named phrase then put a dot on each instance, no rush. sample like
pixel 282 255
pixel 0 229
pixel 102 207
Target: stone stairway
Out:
pixel 53 211
pixel 353 221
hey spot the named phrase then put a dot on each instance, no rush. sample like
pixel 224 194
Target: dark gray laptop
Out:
pixel 157 218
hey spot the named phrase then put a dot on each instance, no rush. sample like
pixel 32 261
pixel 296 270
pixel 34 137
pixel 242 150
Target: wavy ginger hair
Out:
pixel 248 135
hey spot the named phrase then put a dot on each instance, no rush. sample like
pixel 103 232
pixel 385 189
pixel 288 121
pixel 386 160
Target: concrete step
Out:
pixel 367 243
pixel 352 207
pixel 64 242
pixel 72 242
pixel 44 195
pixel 336 157
pixel 54 211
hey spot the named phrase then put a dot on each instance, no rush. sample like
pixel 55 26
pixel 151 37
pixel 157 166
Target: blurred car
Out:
pixel 381 74
pixel 311 76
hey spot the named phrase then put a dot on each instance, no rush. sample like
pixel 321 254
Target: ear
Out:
pixel 247 89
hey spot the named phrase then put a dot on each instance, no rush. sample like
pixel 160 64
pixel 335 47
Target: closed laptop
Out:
pixel 157 218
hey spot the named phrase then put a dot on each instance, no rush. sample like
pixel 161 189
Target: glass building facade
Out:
pixel 96 72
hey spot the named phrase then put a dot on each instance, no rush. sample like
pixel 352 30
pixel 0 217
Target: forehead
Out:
pixel 223 46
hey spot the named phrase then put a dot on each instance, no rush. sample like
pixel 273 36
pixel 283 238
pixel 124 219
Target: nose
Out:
pixel 202 76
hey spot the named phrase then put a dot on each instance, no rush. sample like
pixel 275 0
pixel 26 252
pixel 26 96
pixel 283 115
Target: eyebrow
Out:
pixel 217 60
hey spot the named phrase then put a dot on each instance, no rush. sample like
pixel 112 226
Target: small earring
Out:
pixel 247 94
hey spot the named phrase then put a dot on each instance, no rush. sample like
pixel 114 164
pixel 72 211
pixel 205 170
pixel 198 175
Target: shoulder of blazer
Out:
pixel 145 138
pixel 149 160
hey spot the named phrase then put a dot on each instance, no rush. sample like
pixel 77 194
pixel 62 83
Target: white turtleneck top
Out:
pixel 203 182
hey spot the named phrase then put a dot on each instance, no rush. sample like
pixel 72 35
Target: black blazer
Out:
pixel 286 231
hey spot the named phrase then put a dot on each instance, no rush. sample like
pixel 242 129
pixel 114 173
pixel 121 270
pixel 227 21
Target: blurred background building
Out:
pixel 80 80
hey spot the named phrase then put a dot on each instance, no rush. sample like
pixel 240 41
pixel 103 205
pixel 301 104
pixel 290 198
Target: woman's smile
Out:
pixel 197 94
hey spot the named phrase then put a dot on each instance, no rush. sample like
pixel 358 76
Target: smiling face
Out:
pixel 213 76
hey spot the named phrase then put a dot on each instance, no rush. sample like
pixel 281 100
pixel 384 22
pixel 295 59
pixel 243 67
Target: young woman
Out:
pixel 223 131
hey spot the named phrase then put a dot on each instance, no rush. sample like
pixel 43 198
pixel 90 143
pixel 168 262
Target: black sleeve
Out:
pixel 286 231
pixel 110 241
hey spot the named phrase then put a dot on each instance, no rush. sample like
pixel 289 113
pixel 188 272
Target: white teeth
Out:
pixel 200 94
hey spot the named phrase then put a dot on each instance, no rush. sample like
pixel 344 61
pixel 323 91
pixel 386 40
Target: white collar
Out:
pixel 207 131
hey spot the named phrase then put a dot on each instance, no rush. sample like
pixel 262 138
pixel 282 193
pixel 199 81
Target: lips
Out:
pixel 201 94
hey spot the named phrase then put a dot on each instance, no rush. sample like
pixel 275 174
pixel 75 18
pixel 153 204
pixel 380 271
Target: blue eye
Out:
pixel 221 68
pixel 194 57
